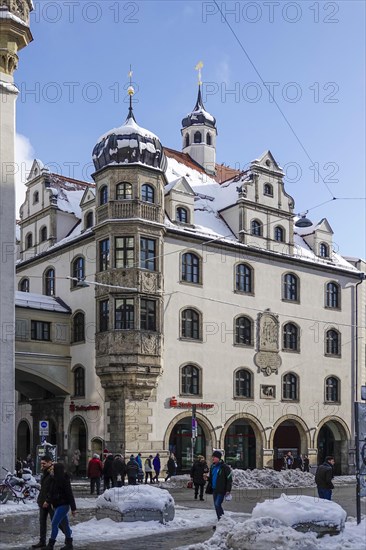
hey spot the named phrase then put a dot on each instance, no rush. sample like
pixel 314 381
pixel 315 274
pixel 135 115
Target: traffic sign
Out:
pixel 43 427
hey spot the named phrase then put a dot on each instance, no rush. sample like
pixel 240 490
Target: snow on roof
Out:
pixel 129 127
pixel 303 251
pixel 39 301
pixel 4 14
pixel 69 200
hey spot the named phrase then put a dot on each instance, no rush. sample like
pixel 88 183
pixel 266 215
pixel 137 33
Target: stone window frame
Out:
pixel 268 190
pixel 148 193
pixel 296 377
pixel 324 250
pixel 199 323
pixel 251 321
pixel 182 263
pixel 24 281
pixel 179 210
pixel 328 343
pixel 29 240
pixel 103 315
pixel 298 338
pixel 49 283
pixel 337 379
pixel 40 331
pixel 285 290
pixel 124 195
pixel 89 219
pixel 77 272
pixel 103 195
pixel 251 272
pixel 256 228
pixel 78 327
pixel 199 379
pixel 125 313
pixel 43 234
pixel 327 296
pixel 279 229
pixel 251 383
pixel 79 380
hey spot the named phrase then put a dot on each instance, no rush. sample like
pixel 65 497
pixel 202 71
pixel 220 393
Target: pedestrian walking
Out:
pixel 132 469
pixel 46 466
pixel 95 469
pixel 118 471
pixel 171 466
pixel 288 460
pixel 323 478
pixel 76 461
pixel 108 471
pixel 199 473
pixel 148 469
pixel 18 467
pixel 157 467
pixel 140 474
pixel 219 482
pixel 30 463
pixel 306 463
pixel 61 498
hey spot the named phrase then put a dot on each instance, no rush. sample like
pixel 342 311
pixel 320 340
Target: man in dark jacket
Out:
pixel 323 478
pixel 118 471
pixel 108 471
pixel 46 464
pixel 157 467
pixel 220 482
pixel 132 469
pixel 95 469
pixel 198 475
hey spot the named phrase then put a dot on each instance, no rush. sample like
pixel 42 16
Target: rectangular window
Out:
pixel 148 315
pixel 124 314
pixel 103 315
pixel 124 251
pixel 40 330
pixel 147 254
pixel 104 255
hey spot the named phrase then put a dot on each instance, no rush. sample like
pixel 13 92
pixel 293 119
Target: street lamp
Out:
pixel 83 283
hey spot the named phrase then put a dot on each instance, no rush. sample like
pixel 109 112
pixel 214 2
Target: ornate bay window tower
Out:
pixel 129 230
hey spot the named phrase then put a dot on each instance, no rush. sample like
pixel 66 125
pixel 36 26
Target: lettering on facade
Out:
pixel 267 359
pixel 174 403
pixel 76 408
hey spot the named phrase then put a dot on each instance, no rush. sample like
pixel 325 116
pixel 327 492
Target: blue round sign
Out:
pixel 44 424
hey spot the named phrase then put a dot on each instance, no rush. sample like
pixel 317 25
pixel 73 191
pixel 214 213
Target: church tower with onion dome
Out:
pixel 15 34
pixel 129 232
pixel 199 133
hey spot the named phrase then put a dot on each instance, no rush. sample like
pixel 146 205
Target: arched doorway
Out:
pixel 286 438
pixel 23 440
pixel 333 440
pixel 180 443
pixel 77 440
pixel 240 445
pixel 97 447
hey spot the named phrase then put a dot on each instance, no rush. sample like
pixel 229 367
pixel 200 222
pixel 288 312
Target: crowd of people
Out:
pixel 299 462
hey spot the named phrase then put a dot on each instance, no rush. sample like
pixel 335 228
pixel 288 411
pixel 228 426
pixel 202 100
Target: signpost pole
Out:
pixel 357 438
pixel 194 431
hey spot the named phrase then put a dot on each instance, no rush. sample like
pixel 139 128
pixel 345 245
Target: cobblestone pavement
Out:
pixel 244 500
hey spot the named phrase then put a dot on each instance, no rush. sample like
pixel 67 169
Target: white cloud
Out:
pixel 24 156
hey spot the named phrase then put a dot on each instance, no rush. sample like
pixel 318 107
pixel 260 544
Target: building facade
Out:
pixel 171 282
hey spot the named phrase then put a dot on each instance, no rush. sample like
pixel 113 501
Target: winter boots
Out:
pixel 68 545
pixel 50 545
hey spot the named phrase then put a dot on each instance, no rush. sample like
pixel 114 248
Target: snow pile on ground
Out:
pixel 344 480
pixel 259 479
pixel 176 482
pixel 135 497
pixel 307 509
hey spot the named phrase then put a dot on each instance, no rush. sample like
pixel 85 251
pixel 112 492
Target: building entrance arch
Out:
pixel 240 445
pixel 78 438
pixel 289 435
pixel 23 440
pixel 333 439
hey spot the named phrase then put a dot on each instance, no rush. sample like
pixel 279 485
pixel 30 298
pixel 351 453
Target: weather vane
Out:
pixel 198 68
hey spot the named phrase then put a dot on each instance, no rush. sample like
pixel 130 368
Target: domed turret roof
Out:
pixel 199 115
pixel 129 144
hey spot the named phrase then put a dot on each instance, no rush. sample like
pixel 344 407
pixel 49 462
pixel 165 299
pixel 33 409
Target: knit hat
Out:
pixel 217 454
pixel 95 455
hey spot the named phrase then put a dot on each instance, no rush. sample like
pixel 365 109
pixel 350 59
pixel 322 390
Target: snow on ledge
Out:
pixel 135 497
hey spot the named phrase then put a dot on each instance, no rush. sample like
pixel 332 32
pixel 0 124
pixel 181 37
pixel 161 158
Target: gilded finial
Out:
pixel 130 91
pixel 198 68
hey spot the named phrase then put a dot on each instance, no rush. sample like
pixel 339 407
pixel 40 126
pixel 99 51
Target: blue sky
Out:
pixel 73 79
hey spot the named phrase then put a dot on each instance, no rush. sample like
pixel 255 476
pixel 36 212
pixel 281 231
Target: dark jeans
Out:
pixel 325 493
pixel 218 500
pixel 94 481
pixel 156 477
pixel 148 475
pixel 198 487
pixel 43 516
pixel 132 480
pixel 108 482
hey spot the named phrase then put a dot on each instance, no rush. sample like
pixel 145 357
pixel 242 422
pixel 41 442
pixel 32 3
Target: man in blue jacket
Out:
pixel 323 478
pixel 220 482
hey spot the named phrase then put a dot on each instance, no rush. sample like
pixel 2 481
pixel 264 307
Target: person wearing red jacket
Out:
pixel 95 469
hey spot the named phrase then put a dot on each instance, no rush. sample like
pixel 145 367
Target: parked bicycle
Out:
pixel 22 489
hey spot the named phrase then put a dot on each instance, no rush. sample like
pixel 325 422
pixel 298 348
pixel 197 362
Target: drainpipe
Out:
pixel 356 420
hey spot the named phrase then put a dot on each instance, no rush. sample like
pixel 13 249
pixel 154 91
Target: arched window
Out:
pixel 35 197
pixel 256 228
pixel 324 250
pixel 50 282
pixel 197 137
pixel 187 140
pixel 243 278
pixel 78 270
pixel 332 393
pixel 148 193
pixel 332 295
pixel 208 138
pixel 78 327
pixel 243 331
pixel 279 234
pixel 190 383
pixel 124 191
pixel 290 386
pixel 89 220
pixel 191 265
pixel 190 324
pixel 103 195
pixel 43 234
pixel 290 290
pixel 79 382
pixel 290 337
pixel 29 241
pixel 24 285
pixel 181 215
pixel 268 190
pixel 333 342
pixel 243 383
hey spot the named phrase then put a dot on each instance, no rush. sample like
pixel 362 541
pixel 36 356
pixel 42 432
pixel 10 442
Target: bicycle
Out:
pixel 18 489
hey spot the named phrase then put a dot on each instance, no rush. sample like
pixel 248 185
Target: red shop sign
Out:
pixel 75 408
pixel 182 405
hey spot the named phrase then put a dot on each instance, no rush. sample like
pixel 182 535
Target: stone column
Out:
pixel 14 35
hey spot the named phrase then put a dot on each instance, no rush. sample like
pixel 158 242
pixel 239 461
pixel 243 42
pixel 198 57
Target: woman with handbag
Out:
pixel 198 476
